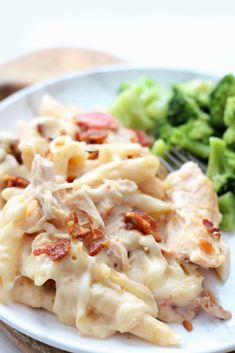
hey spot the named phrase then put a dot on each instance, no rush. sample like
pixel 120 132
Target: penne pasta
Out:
pixel 94 231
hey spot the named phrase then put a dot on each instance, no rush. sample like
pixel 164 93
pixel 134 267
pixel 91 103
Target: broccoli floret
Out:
pixel 227 208
pixel 229 112
pixel 192 136
pixel 199 90
pixel 229 137
pixel 159 148
pixel 138 105
pixel 229 120
pixel 182 108
pixel 230 161
pixel 219 170
pixel 218 99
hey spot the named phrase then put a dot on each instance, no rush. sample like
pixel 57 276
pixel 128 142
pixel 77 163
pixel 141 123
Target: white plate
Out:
pixel 87 90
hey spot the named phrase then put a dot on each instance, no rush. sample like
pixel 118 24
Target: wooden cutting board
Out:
pixel 25 71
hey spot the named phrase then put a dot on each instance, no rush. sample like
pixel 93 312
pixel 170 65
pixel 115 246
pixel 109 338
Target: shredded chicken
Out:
pixel 195 201
pixel 209 303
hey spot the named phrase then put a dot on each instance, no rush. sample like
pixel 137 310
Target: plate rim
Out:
pixel 21 94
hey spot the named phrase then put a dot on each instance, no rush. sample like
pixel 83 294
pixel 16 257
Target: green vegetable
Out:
pixel 219 170
pixel 218 100
pixel 199 90
pixel 227 208
pixel 192 136
pixel 196 116
pixel 229 120
pixel 182 108
pixel 139 104
pixel 159 148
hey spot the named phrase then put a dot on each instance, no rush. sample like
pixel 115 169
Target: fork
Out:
pixel 174 159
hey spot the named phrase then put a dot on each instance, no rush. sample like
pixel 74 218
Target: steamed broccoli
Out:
pixel 182 108
pixel 199 90
pixel 218 99
pixel 229 120
pixel 159 148
pixel 220 169
pixel 227 208
pixel 192 136
pixel 139 104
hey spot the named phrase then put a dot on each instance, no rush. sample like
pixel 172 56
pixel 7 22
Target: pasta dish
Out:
pixel 95 231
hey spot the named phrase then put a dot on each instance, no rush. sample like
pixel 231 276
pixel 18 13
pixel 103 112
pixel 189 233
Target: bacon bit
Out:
pixel 14 150
pixel 70 179
pixel 96 120
pixel 41 130
pixel 209 303
pixel 208 224
pixel 188 325
pixel 15 181
pixel 56 250
pixel 95 248
pixel 91 312
pixel 143 138
pixel 206 246
pixel 93 154
pixel 78 230
pixel 88 234
pixel 92 136
pixel 141 221
pixel 50 284
pixel 211 229
pixel 97 234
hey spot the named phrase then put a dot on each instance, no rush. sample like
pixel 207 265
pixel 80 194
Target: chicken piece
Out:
pixel 209 303
pixel 195 201
pixel 171 313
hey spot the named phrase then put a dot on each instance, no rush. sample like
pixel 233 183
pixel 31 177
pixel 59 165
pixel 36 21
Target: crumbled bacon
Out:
pixel 143 138
pixel 206 246
pixel 211 229
pixel 82 228
pixel 15 181
pixel 41 130
pixel 50 284
pixel 95 248
pixel 91 312
pixel 96 120
pixel 141 221
pixel 93 154
pixel 209 303
pixel 92 136
pixel 78 229
pixel 70 178
pixel 188 325
pixel 15 151
pixel 56 250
